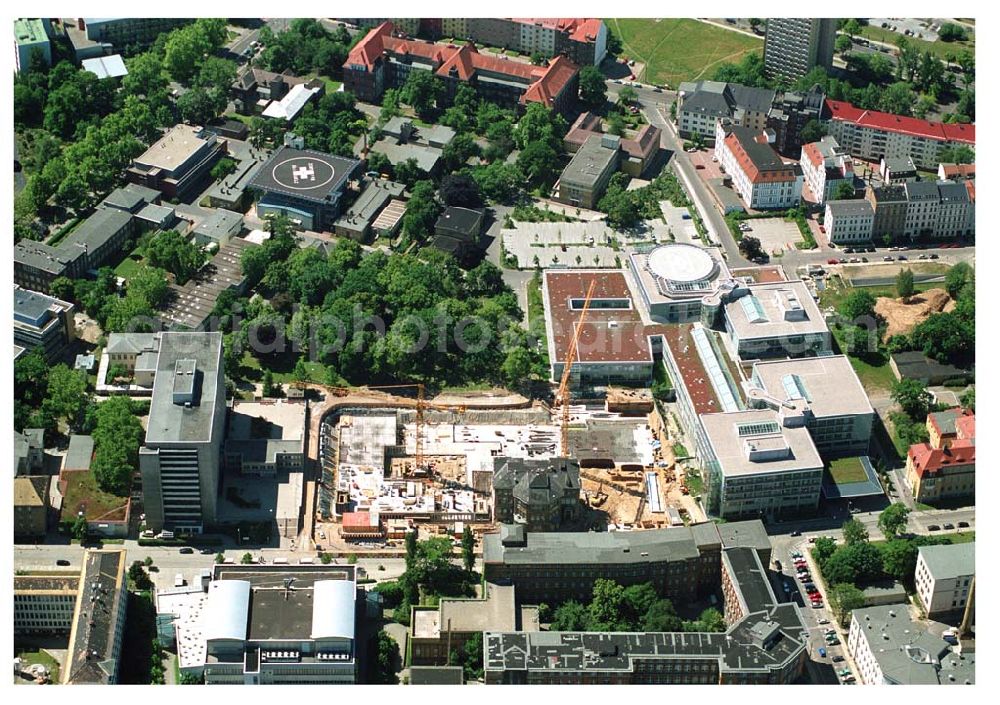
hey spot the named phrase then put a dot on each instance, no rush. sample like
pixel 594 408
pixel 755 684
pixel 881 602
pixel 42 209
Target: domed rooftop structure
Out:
pixel 679 267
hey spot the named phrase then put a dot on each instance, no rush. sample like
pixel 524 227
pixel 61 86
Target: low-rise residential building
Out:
pixel 943 578
pixel 761 178
pixel 703 103
pixel 178 161
pixel 944 469
pixel 778 319
pixel 681 562
pixel 585 178
pixel 458 231
pixel 849 222
pixel 828 394
pixel 44 603
pixel 956 172
pixel 890 648
pixel 255 88
pixel 583 39
pixel 31 506
pixel 541 495
pixel 825 166
pixel 873 135
pixel 897 170
pixel 95 638
pixel 42 322
pixel 759 463
pixel 29 451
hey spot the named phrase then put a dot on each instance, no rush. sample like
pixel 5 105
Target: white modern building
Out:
pixel 760 176
pixel 890 648
pixel 849 222
pixel 944 577
pixel 825 391
pixel 778 319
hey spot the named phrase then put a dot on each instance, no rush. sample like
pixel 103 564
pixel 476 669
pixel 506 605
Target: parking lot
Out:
pixel 775 234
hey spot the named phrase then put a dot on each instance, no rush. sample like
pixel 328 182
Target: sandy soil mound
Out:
pixel 902 316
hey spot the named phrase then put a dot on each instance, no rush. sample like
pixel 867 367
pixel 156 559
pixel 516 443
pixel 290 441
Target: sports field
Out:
pixel 675 50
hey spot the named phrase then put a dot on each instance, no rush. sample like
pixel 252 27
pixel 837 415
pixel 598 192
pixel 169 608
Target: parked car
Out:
pixel 795 533
pixel 62 561
pixel 844 672
pixel 887 258
pixel 902 258
pixel 935 255
pixel 186 550
pixel 933 527
pixel 849 679
pixel 963 525
pixel 817 605
pixel 823 621
pixel 949 527
pixel 870 248
pixel 848 250
pixel 822 652
pixel 838 659
pixel 922 257
pixel 796 554
pixel 835 261
pixel 864 259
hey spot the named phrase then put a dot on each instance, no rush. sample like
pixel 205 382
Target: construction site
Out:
pixel 428 466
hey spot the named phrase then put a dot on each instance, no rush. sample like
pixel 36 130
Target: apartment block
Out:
pixel 584 40
pixel 760 176
pixel 943 578
pixel 849 222
pixel 825 166
pixel 701 104
pixel 180 457
pixel 42 322
pixel 890 648
pixel 872 135
pixel 794 45
pixel 789 113
pixel 178 161
pixel 946 468
pixel 31 506
pixel 29 452
pixel 889 211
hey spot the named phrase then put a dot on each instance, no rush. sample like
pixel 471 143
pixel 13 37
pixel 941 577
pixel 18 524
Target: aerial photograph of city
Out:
pixel 489 350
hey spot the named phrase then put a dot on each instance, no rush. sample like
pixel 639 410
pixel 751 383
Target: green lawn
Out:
pixel 938 48
pixel 331 85
pixel 82 491
pixel 29 657
pixel 676 50
pixel 130 266
pixel 844 471
pixel 962 537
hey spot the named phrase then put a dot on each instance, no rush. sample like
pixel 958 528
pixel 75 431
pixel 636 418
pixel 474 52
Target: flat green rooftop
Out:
pixel 28 31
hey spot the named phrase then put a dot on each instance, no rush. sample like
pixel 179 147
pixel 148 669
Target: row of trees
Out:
pixel 636 608
pixel 306 46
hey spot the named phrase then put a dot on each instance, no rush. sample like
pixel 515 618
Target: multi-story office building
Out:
pixel 943 578
pixel 274 624
pixel 761 178
pixel 36 264
pixel 178 161
pixel 95 638
pixel 31 36
pixel 777 319
pixel 588 173
pixel 828 394
pixel 44 603
pixel 759 463
pixel 703 103
pixel 681 563
pixel 122 32
pixel 825 166
pixel 381 61
pixel 795 45
pixel 541 495
pixel 890 648
pixel 849 222
pixel 766 642
pixel 889 211
pixel 43 322
pixel 871 135
pixel 180 457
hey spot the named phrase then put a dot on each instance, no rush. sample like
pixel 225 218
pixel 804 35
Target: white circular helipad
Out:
pixel 303 173
pixel 679 262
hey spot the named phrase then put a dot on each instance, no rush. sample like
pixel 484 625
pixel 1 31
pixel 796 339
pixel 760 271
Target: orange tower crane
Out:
pixel 562 396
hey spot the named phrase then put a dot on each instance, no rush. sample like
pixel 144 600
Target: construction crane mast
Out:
pixel 562 396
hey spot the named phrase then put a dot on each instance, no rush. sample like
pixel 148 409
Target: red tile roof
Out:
pixel 967 171
pixel 356 519
pixel 966 427
pixel 461 61
pixel 928 460
pixel 551 84
pixel 758 171
pixel 368 50
pixel 953 132
pixel 970 186
pixel 586 30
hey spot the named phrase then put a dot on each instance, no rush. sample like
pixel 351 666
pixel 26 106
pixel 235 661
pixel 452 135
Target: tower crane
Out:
pixel 563 394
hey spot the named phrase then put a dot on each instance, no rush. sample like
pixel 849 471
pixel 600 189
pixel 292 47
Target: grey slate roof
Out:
pixel 851 207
